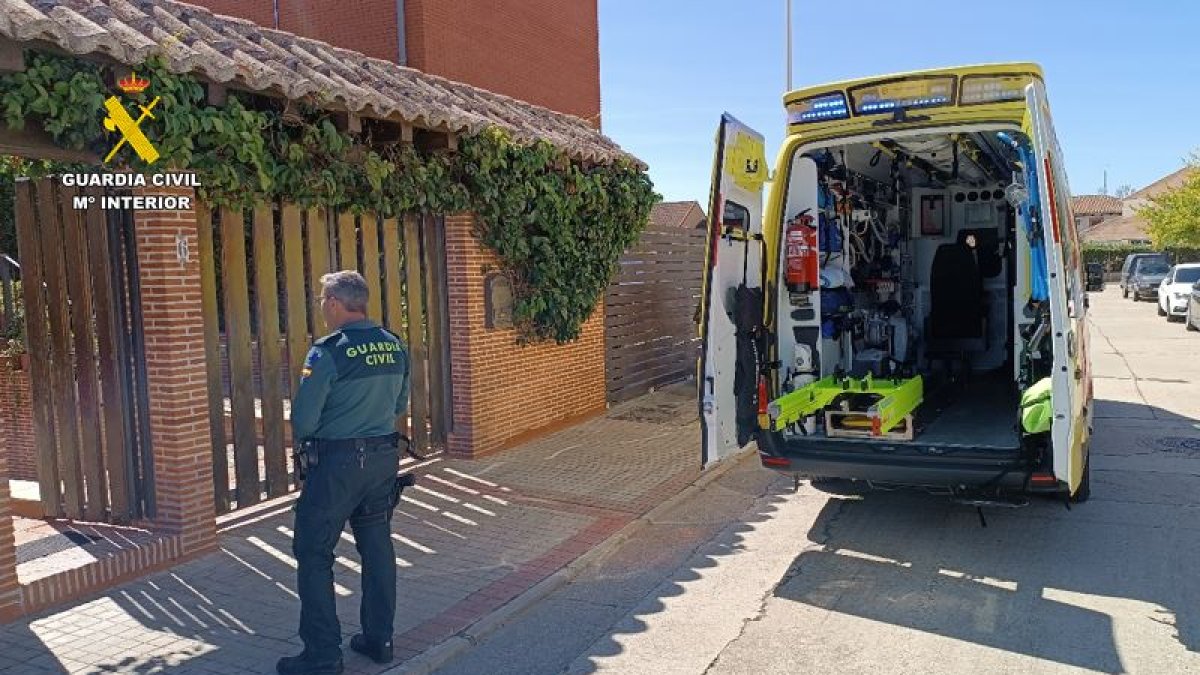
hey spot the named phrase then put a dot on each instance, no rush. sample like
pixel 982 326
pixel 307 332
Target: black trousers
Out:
pixel 355 486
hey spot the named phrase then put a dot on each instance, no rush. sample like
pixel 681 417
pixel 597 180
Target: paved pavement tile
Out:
pixel 475 534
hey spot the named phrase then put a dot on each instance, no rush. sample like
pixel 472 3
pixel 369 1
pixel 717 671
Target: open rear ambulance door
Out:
pixel 1069 429
pixel 733 273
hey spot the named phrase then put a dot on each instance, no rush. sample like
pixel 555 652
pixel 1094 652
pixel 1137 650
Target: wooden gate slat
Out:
pixel 79 289
pixel 438 348
pixel 212 358
pixel 108 327
pixel 62 378
pixel 347 242
pixel 270 358
pixel 317 227
pixel 393 316
pixel 237 335
pixel 370 266
pixel 419 390
pixel 29 231
pixel 297 302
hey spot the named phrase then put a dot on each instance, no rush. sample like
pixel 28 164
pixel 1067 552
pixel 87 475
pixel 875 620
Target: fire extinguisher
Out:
pixel 802 256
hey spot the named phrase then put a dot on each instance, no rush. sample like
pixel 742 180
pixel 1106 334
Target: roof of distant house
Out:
pixel 1120 228
pixel 677 214
pixel 1165 183
pixel 1095 205
pixel 228 50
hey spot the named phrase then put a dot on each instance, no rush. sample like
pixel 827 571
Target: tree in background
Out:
pixel 1174 216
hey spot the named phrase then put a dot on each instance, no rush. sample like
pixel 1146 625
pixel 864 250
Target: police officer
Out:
pixel 353 387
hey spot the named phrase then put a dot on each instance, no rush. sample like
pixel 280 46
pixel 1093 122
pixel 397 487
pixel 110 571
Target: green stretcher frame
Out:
pixel 900 397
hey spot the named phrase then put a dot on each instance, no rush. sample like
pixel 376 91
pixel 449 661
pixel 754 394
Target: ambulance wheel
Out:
pixel 1085 486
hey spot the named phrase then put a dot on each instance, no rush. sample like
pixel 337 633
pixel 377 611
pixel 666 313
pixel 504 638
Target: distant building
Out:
pixel 1091 209
pixel 1127 227
pixel 677 214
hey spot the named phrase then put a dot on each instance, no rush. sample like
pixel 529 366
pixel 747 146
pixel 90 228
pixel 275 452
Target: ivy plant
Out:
pixel 557 225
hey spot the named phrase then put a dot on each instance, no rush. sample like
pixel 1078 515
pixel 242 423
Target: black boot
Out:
pixel 303 664
pixel 379 653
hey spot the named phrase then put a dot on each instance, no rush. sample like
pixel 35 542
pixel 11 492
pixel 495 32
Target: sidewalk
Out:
pixel 471 537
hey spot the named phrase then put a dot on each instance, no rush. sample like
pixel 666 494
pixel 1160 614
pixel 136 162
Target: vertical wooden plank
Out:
pixel 418 405
pixel 270 359
pixel 29 231
pixel 212 357
pixel 318 260
pixel 241 373
pixel 79 289
pixel 370 268
pixel 393 313
pixel 107 334
pixel 297 304
pixel 433 263
pixel 347 240
pixel 62 374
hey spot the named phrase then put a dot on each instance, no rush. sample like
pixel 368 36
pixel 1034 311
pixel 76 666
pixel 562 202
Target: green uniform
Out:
pixel 354 384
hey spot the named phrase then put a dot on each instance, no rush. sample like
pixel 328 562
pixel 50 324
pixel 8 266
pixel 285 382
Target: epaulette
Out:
pixel 329 340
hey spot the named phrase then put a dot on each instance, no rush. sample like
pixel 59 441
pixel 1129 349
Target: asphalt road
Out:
pixel 751 577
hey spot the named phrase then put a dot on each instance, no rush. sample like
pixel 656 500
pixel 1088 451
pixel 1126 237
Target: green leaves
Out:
pixel 558 226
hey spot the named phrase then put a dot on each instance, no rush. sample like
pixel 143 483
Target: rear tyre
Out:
pixel 1161 312
pixel 1085 486
pixel 1125 293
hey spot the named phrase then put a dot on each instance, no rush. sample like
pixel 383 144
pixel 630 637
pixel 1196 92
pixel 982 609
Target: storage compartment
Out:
pixel 904 266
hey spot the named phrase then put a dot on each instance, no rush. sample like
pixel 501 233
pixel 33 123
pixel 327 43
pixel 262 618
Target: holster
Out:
pixel 305 457
pixel 402 481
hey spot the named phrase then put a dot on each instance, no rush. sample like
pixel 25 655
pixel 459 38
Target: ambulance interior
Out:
pixel 912 289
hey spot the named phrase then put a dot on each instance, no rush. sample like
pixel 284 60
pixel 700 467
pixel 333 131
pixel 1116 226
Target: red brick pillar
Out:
pixel 505 394
pixel 10 590
pixel 174 332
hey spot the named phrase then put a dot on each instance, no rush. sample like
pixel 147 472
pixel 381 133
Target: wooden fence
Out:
pixel 82 317
pixel 650 312
pixel 260 275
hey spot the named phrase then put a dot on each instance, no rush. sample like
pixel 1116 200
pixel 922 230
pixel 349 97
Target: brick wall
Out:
pixel 545 52
pixel 261 12
pixel 371 27
pixel 16 419
pixel 504 392
pixel 174 334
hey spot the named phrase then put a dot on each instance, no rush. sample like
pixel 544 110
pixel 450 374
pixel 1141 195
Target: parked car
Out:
pixel 1132 261
pixel 1147 276
pixel 1095 277
pixel 1174 291
pixel 1191 319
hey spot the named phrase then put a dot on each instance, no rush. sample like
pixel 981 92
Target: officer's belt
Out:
pixel 365 444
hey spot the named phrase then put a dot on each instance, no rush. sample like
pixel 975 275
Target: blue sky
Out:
pixel 1122 76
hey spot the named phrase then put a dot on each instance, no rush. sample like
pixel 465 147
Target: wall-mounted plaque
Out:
pixel 497 301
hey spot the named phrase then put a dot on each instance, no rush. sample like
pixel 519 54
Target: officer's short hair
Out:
pixel 348 287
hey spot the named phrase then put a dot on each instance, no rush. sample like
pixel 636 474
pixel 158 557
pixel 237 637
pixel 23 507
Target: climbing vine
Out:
pixel 558 226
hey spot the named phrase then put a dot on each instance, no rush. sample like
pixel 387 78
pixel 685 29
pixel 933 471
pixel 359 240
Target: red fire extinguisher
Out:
pixel 802 255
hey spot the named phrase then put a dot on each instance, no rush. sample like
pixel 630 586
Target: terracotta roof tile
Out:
pixel 234 51
pixel 1121 228
pixel 677 214
pixel 1095 205
pixel 1169 182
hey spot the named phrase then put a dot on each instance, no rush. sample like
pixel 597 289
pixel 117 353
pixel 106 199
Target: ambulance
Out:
pixel 905 305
